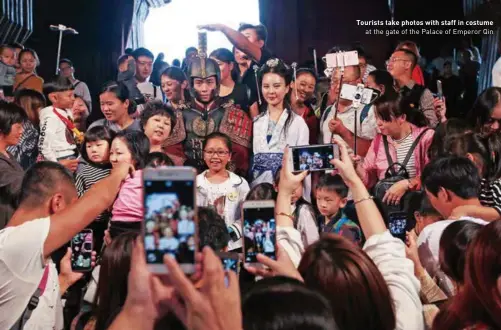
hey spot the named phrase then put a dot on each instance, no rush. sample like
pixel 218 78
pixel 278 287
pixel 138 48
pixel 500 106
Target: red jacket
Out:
pixel 417 75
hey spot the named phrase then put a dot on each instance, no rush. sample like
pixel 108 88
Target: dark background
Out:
pixel 295 27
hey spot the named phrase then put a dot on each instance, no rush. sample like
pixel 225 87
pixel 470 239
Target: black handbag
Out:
pixel 396 172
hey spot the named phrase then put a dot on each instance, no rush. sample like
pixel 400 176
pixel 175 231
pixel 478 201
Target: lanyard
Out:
pixel 71 126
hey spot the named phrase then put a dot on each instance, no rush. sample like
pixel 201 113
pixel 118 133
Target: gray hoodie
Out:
pixel 7 74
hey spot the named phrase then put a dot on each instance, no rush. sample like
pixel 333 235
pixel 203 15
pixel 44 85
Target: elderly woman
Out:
pixel 12 118
pixel 157 121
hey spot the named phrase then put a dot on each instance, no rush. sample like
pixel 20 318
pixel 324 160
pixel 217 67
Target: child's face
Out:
pixel 62 100
pixel 120 153
pixel 98 151
pixel 329 202
pixel 216 155
pixel 183 215
pixel 8 56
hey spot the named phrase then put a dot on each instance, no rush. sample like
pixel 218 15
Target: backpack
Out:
pixel 396 172
pixel 413 95
pixel 33 303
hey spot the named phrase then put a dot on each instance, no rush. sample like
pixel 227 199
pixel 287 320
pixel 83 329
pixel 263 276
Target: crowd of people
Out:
pixel 401 232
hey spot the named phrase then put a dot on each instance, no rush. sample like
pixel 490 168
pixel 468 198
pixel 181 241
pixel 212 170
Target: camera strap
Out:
pixel 33 302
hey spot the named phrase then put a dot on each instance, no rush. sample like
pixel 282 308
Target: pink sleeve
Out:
pixel 129 204
pixel 369 177
pixel 425 145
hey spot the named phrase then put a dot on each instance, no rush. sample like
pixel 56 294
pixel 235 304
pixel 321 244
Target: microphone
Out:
pixel 63 28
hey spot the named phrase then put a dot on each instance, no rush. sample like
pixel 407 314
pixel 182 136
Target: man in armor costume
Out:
pixel 207 114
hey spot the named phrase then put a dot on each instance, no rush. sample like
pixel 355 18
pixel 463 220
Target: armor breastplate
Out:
pixel 198 126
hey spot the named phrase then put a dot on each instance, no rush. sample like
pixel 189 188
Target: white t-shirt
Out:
pixel 149 91
pixel 21 270
pixel 367 130
pixel 429 249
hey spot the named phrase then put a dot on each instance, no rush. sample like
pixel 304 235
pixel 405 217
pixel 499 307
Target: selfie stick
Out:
pixel 61 29
pixel 294 67
pixel 315 61
pixel 340 84
pixel 256 69
pixel 355 132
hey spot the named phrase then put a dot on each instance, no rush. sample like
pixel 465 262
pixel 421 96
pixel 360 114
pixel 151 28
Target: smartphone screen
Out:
pixel 230 261
pixel 342 59
pixel 81 251
pixel 398 224
pixel 169 226
pixel 440 92
pixel 314 158
pixel 259 233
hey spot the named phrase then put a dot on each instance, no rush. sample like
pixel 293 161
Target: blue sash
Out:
pixel 264 162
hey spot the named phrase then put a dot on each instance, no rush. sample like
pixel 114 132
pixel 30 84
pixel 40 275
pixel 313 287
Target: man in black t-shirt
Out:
pixel 251 40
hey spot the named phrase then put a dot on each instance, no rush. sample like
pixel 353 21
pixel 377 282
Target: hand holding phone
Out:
pixel 170 217
pixel 81 251
pixel 397 224
pixel 230 261
pixel 314 158
pixel 260 230
pixel 440 92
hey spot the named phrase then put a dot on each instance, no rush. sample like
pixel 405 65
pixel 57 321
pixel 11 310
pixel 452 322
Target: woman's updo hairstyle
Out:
pixel 277 66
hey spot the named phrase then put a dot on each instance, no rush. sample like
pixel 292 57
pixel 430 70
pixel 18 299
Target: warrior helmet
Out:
pixel 203 67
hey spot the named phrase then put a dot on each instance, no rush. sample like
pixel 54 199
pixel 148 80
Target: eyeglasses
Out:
pixel 219 153
pixel 396 59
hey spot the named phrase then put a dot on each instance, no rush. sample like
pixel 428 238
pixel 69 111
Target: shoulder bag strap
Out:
pixel 413 146
pixel 33 303
pixel 388 156
pixel 24 81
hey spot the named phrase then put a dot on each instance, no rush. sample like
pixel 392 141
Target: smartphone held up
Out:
pixel 313 158
pixel 260 230
pixel 82 245
pixel 170 226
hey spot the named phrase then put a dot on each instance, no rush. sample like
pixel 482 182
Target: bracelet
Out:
pixel 363 200
pixel 290 216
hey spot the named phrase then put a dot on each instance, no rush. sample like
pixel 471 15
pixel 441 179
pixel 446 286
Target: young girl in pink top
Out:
pixel 127 212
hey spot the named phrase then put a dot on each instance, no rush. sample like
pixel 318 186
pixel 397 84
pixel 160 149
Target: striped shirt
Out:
pixel 402 148
pixel 490 194
pixel 26 150
pixel 87 175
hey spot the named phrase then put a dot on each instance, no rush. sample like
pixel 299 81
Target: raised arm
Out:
pixel 370 218
pixel 237 39
pixel 69 222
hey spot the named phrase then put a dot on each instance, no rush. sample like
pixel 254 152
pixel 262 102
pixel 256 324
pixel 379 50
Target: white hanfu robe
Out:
pixel 268 155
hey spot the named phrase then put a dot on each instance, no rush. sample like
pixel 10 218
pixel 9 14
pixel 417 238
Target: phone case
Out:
pixel 81 251
pixel 170 226
pixel 259 235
